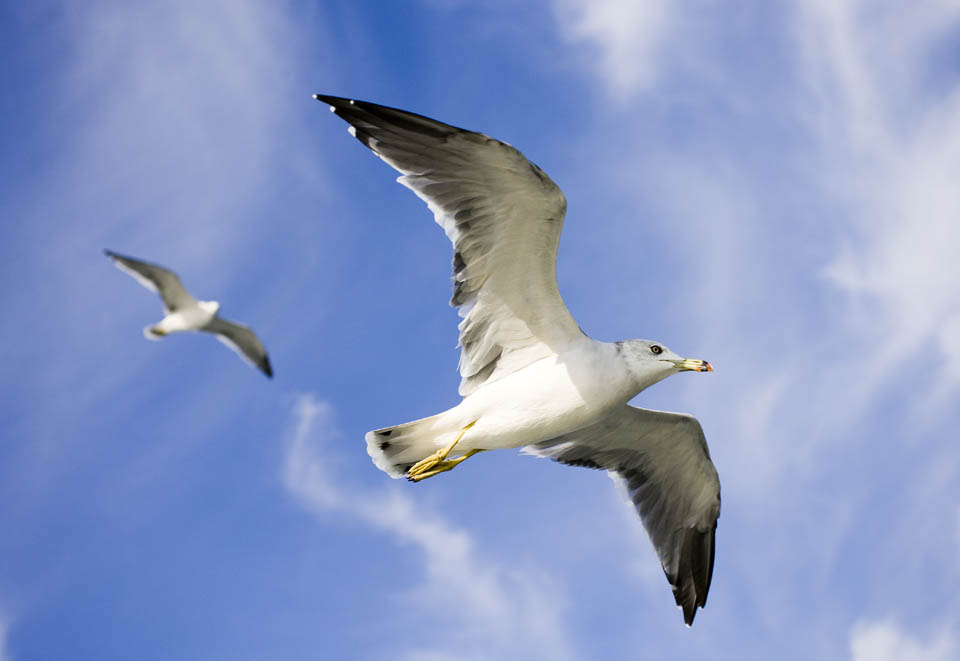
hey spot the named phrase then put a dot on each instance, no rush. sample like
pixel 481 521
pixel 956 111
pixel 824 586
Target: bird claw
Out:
pixel 436 462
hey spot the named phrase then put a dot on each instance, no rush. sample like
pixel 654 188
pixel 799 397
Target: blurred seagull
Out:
pixel 185 313
pixel 530 377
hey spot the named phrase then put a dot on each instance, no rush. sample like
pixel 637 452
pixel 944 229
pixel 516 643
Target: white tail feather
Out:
pixel 395 449
pixel 151 334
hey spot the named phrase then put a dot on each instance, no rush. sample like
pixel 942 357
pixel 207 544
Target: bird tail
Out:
pixel 153 333
pixel 395 449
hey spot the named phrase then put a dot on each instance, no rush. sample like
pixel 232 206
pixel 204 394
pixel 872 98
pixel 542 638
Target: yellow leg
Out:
pixel 438 458
pixel 441 467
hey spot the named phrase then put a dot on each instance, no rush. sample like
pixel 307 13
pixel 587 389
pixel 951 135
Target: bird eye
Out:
pixel 656 349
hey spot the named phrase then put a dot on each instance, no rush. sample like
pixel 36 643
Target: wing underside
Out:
pixel 243 341
pixel 663 460
pixel 157 279
pixel 503 215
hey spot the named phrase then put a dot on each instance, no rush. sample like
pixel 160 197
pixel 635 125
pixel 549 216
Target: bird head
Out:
pixel 651 361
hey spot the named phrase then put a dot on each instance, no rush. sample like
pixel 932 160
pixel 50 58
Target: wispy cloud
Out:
pixel 190 122
pixel 827 280
pixel 170 129
pixel 886 641
pixel 172 125
pixel 889 143
pixel 870 251
pixel 884 136
pixel 466 605
pixel 623 36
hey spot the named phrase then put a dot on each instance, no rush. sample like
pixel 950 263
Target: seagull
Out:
pixel 185 313
pixel 530 377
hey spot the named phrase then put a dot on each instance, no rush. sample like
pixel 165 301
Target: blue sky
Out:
pixel 771 187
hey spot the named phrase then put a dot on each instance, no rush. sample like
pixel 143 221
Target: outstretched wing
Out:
pixel 157 279
pixel 503 215
pixel 242 340
pixel 664 460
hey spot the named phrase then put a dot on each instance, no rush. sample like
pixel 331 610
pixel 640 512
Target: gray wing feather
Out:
pixel 503 215
pixel 155 278
pixel 243 341
pixel 664 460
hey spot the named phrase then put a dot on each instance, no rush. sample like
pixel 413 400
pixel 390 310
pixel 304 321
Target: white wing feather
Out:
pixel 157 279
pixel 503 215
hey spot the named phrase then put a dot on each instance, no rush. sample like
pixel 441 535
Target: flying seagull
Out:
pixel 530 377
pixel 185 313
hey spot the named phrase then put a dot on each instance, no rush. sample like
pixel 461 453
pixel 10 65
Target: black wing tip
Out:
pixel 691 586
pixel 688 600
pixel 366 112
pixel 117 257
pixel 266 368
pixel 333 100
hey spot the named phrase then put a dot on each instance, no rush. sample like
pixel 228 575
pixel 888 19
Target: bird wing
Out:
pixel 503 215
pixel 157 279
pixel 664 460
pixel 242 340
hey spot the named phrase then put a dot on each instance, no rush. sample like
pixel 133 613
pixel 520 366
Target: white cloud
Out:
pixel 189 117
pixel 885 641
pixel 885 140
pixel 949 339
pixel 624 35
pixel 304 474
pixel 828 277
pixel 890 147
pixel 470 606
pixel 169 126
pixel 874 253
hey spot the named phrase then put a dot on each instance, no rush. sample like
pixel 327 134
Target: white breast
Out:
pixel 548 398
pixel 190 318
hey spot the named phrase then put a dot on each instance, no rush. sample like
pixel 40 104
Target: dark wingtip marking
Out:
pixel 385 432
pixel 582 463
pixel 692 582
pixel 459 296
pixel 458 263
pixel 352 111
pixel 267 369
pixel 384 445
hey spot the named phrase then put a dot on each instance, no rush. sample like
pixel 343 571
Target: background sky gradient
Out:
pixel 772 187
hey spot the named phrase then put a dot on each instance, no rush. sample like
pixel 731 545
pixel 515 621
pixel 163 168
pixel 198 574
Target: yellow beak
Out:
pixel 692 365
